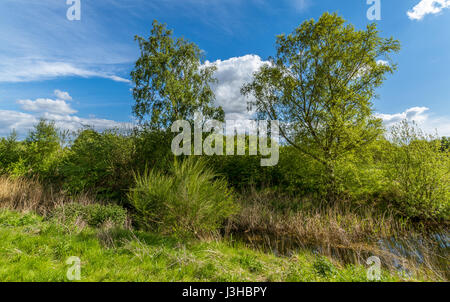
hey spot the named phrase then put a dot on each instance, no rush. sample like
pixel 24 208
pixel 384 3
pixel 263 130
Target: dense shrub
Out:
pixel 243 171
pixel 99 163
pixel 359 175
pixel 153 149
pixel 10 152
pixel 43 151
pixel 38 156
pixel 94 215
pixel 294 173
pixel 419 174
pixel 189 201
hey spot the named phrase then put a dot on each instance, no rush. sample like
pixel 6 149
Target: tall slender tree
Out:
pixel 320 87
pixel 171 80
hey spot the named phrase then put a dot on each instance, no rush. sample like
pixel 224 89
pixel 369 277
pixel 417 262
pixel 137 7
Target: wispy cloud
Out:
pixel 426 7
pixel 14 71
pixel 300 5
pixel 37 42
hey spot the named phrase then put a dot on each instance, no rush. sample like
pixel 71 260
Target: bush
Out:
pixel 323 266
pixel 419 174
pixel 36 157
pixel 43 151
pixel 189 201
pixel 99 163
pixel 10 152
pixel 359 175
pixel 153 149
pixel 94 215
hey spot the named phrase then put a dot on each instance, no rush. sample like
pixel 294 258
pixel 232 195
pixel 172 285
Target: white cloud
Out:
pixel 366 68
pixel 46 105
pixel 53 110
pixel 29 70
pixel 23 122
pixel 430 123
pixel 62 95
pixel 425 7
pixel 13 120
pixel 232 74
pixel 72 122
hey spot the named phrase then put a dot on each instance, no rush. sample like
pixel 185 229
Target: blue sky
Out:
pixel 77 72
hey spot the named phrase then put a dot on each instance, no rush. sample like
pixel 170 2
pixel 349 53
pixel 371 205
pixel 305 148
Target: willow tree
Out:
pixel 320 87
pixel 171 80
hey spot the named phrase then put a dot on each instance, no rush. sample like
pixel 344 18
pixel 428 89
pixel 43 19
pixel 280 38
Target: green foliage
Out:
pixel 189 201
pixel 38 156
pixel 100 163
pixel 419 173
pixel 153 149
pixel 11 152
pixel 323 266
pixel 94 215
pixel 13 219
pixel 359 175
pixel 320 88
pixel 445 144
pixel 170 82
pixel 41 153
pixel 243 171
pixel 298 173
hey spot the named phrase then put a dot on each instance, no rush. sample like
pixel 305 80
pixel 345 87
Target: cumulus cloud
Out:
pixel 425 7
pixel 62 95
pixel 53 110
pixel 29 71
pixel 232 74
pixel 46 105
pixel 13 120
pixel 430 123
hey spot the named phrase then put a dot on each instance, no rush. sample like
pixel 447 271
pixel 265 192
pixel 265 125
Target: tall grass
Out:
pixel 191 200
pixel 345 232
pixel 29 195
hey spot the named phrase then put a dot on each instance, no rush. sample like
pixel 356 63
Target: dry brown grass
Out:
pixel 27 195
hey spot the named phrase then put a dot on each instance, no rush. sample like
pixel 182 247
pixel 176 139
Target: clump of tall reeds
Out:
pixel 26 195
pixel 344 231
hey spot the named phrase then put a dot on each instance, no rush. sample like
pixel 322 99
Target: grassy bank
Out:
pixel 34 249
pixel 271 238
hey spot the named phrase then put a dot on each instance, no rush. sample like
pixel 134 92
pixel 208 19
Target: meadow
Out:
pixel 344 189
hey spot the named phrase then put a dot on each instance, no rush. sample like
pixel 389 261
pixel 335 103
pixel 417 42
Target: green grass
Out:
pixel 33 249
